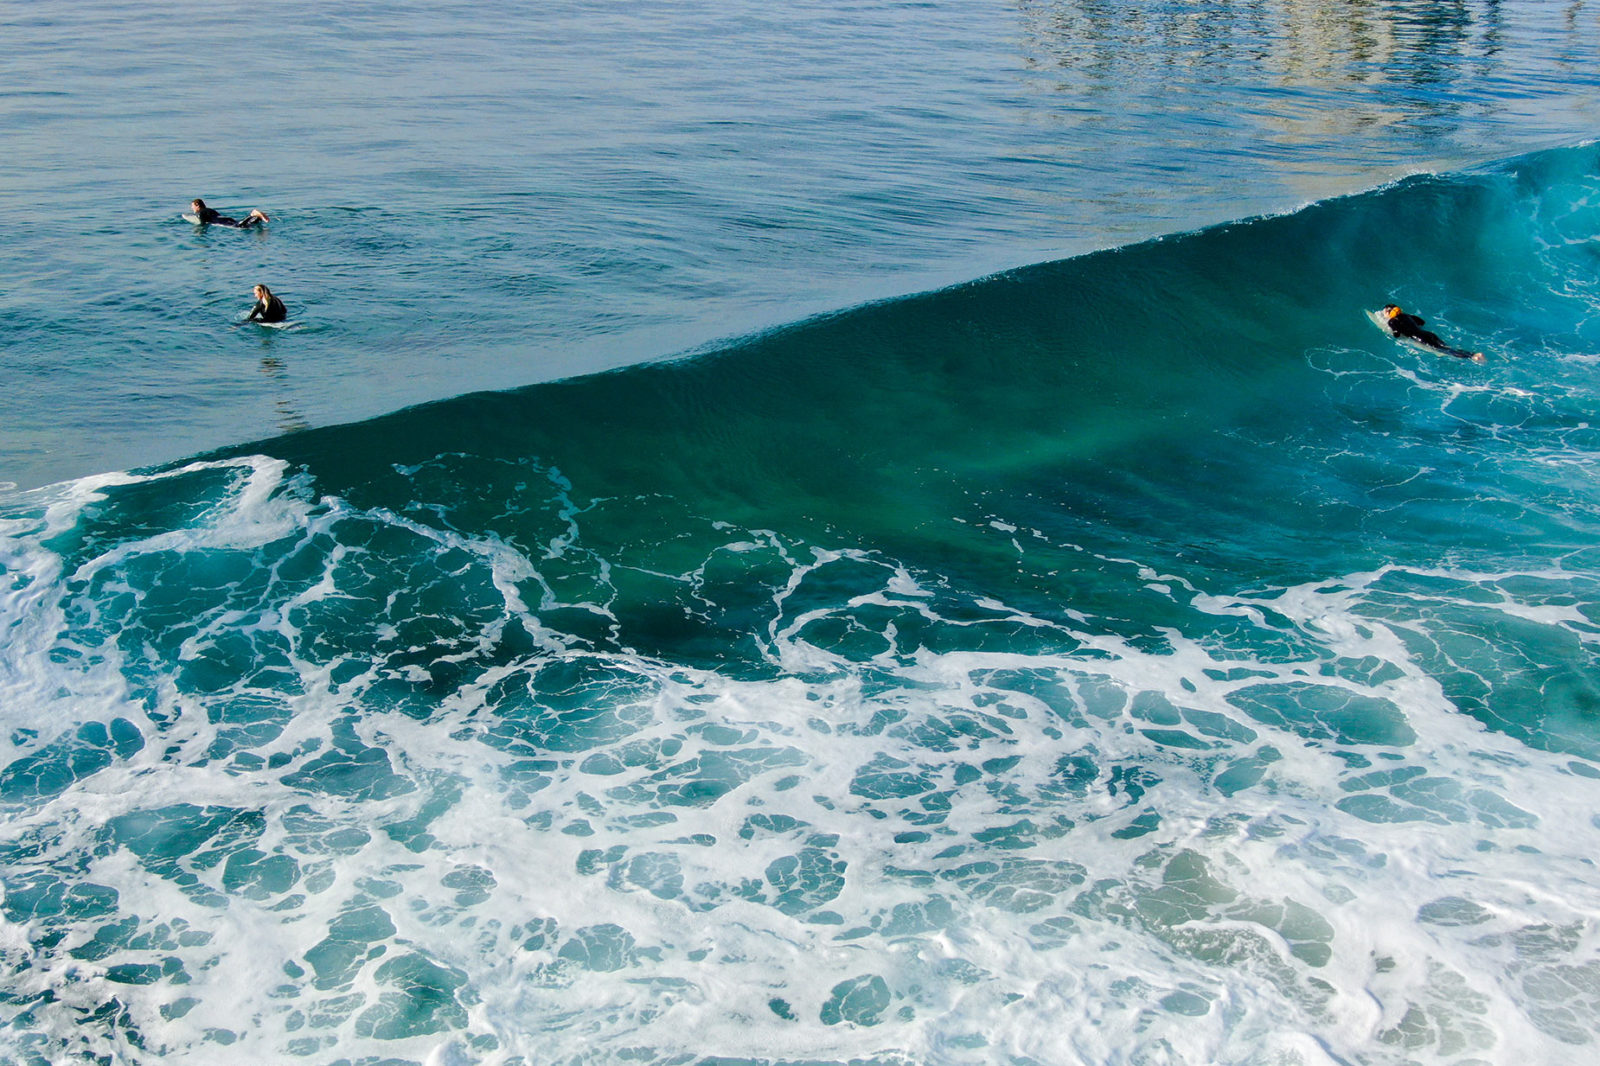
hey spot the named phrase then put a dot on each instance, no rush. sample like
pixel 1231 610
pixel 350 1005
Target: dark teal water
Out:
pixel 1134 657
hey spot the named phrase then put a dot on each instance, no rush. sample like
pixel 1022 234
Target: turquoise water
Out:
pixel 486 195
pixel 1125 657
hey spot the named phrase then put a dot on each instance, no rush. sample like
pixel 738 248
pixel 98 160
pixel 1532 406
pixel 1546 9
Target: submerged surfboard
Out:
pixel 292 323
pixel 187 217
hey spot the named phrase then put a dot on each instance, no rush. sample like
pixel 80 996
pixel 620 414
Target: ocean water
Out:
pixel 959 580
pixel 486 195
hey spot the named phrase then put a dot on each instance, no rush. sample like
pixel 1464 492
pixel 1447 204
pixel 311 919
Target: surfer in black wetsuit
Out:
pixel 1410 327
pixel 268 308
pixel 210 216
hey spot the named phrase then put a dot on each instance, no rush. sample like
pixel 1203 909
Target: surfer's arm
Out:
pixel 257 311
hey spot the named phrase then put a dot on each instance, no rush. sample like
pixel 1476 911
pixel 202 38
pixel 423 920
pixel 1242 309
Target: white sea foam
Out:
pixel 962 855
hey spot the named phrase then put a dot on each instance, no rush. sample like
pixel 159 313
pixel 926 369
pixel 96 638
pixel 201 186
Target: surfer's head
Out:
pixel 263 293
pixel 198 204
pixel 1390 310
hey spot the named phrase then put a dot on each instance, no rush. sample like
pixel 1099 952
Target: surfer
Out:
pixel 268 308
pixel 1401 324
pixel 207 216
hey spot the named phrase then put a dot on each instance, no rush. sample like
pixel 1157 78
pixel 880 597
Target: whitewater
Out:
pixel 926 620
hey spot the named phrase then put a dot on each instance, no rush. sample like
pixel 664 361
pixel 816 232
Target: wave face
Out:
pixel 1137 658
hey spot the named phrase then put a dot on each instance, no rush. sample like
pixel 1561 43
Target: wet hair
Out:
pixel 266 292
pixel 197 202
pixel 1391 307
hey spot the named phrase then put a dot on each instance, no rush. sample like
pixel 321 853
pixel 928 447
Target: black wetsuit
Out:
pixel 270 309
pixel 210 216
pixel 1410 327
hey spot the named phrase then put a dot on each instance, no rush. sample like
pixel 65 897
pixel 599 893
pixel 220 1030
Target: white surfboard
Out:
pixel 1409 342
pixel 292 323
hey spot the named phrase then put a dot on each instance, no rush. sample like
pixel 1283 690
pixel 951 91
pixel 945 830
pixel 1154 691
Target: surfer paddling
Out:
pixel 210 216
pixel 268 308
pixel 1400 324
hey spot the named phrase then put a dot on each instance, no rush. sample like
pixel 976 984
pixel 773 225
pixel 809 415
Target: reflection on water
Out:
pixel 1302 84
pixel 1326 43
pixel 289 419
